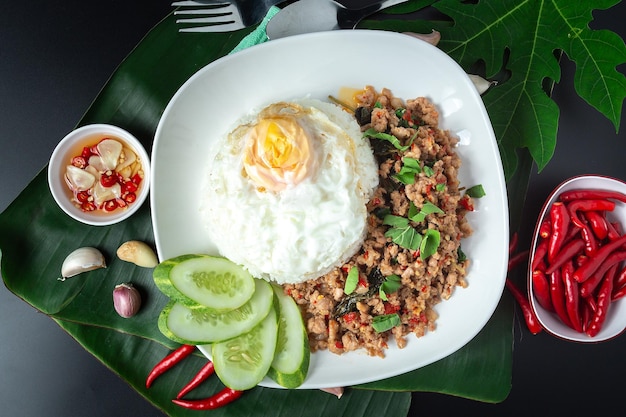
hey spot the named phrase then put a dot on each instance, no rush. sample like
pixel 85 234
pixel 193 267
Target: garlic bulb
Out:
pixel 82 260
pixel 126 300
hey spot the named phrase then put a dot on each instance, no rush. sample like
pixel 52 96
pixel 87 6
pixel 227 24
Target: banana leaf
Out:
pixel 35 237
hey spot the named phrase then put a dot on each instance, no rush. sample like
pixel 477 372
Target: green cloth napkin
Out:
pixel 258 35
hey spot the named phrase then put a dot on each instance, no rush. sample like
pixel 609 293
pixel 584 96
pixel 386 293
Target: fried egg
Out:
pixel 287 190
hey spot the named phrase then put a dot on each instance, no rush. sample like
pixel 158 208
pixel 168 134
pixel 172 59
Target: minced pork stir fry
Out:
pixel 411 258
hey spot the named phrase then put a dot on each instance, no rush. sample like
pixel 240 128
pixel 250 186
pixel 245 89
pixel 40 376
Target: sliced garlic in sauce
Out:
pixel 80 180
pixel 129 157
pixel 102 194
pixel 109 151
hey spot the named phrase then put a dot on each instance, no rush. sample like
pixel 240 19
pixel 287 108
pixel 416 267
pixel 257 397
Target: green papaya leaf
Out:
pixel 516 42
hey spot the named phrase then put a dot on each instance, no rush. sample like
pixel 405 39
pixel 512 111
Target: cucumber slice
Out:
pixel 204 281
pixel 194 326
pixel 291 360
pixel 242 362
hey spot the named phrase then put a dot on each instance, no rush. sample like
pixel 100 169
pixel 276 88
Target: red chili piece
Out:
pixel 585 194
pixel 557 295
pixel 225 396
pixel 168 362
pixel 598 224
pixel 518 259
pixel 513 243
pixel 620 279
pixel 565 254
pixel 540 253
pixel 541 289
pixel 588 205
pixel 571 296
pixel 560 219
pixel 529 315
pixel 602 306
pixel 591 245
pixel 608 267
pixel 618 294
pixel 589 267
pixel 613 232
pixel 204 372
pixel 545 229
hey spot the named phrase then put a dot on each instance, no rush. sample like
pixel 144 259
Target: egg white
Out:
pixel 305 230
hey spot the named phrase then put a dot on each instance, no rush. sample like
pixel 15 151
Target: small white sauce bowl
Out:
pixel 71 145
pixel 615 322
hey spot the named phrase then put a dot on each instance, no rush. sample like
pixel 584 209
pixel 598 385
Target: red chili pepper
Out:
pixel 529 315
pixel 598 224
pixel 588 205
pixel 79 162
pixel 608 267
pixel 204 372
pixel 568 251
pixel 513 243
pixel 586 314
pixel 603 303
pixel 560 219
pixel 591 245
pixel 585 194
pixel 541 289
pixel 620 279
pixel 225 396
pixel 618 294
pixel 108 179
pixel 466 203
pixel 588 268
pixel 168 362
pixel 613 232
pixel 517 259
pixel 557 295
pixel 540 253
pixel 571 296
pixel 545 229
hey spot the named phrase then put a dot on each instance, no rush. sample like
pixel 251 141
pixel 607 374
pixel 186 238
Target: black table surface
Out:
pixel 54 59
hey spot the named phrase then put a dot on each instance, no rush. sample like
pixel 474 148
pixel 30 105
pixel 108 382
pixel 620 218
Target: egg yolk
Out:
pixel 278 153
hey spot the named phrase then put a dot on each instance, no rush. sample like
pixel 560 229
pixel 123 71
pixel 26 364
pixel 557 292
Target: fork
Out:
pixel 222 15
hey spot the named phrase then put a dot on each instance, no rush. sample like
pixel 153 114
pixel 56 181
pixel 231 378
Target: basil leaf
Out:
pixel 476 191
pixel 352 280
pixel 428 171
pixel 406 237
pixel 410 168
pixel 462 257
pixel 395 221
pixel 385 322
pixel 427 208
pixel 429 243
pixel 440 186
pixel 392 284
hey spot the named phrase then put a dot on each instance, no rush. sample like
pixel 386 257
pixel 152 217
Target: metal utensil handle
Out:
pixel 349 18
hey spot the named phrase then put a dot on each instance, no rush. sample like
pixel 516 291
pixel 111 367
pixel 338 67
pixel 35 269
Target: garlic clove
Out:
pixel 432 38
pixel 336 391
pixel 138 253
pixel 126 300
pixel 480 83
pixel 82 260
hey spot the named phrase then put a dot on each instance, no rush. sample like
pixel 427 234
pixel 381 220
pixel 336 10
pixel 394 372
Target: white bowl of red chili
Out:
pixel 99 174
pixel 577 273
